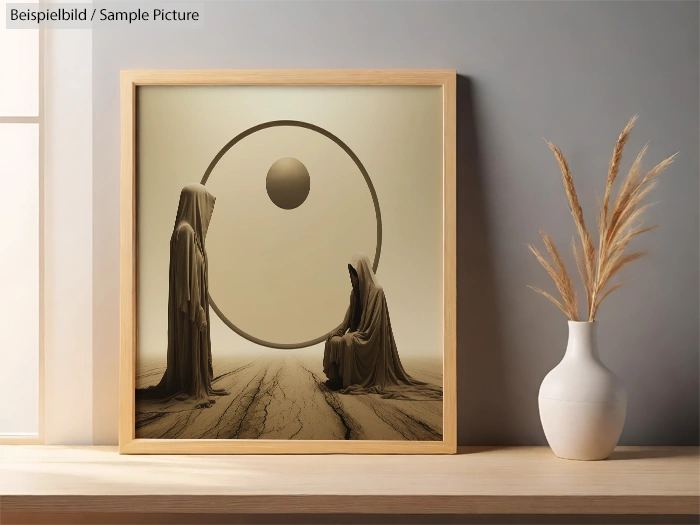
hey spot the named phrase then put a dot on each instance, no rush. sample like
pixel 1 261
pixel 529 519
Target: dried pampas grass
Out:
pixel 617 226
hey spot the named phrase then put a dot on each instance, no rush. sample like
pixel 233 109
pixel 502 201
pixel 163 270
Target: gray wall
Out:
pixel 573 72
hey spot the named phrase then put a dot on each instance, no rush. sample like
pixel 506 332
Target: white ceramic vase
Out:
pixel 582 403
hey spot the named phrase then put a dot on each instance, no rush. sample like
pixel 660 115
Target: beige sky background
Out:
pixel 281 275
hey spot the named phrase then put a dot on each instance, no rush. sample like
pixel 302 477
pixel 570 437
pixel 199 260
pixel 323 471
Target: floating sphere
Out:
pixel 288 183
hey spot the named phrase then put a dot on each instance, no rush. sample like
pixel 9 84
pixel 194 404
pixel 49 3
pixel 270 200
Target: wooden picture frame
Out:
pixel 130 83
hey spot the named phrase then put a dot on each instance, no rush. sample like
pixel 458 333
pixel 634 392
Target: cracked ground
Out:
pixel 283 397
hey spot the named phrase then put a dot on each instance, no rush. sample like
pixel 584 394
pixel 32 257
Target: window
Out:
pixel 21 172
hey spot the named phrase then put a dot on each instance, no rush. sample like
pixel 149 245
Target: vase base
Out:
pixel 582 431
pixel 582 458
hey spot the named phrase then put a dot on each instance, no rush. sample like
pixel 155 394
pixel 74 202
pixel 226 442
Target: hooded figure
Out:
pixel 186 382
pixel 360 355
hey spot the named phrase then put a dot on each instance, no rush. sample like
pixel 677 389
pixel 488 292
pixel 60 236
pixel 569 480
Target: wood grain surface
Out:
pixel 522 480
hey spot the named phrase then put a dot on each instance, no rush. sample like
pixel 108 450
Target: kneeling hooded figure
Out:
pixel 360 356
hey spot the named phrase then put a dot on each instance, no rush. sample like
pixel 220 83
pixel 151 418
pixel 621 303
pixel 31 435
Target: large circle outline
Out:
pixel 368 181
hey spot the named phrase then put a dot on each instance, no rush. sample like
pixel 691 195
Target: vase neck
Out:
pixel 583 340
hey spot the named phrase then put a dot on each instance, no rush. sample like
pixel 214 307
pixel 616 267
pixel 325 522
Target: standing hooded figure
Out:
pixel 361 355
pixel 187 380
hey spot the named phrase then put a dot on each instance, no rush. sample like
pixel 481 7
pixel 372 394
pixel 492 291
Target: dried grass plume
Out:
pixel 616 225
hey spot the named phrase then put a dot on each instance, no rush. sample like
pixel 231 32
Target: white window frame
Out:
pixel 39 120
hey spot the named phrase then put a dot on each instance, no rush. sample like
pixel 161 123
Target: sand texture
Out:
pixel 283 397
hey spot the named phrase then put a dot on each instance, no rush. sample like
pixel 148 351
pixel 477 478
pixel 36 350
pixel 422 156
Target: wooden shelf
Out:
pixel 91 481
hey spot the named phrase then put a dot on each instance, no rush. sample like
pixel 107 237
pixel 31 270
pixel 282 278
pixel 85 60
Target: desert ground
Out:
pixel 282 396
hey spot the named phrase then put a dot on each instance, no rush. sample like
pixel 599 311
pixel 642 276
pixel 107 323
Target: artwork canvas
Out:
pixel 288 262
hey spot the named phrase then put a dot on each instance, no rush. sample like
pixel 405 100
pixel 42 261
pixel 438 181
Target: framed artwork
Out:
pixel 288 262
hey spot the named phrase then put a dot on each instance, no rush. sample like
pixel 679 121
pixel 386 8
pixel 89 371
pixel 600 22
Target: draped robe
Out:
pixel 187 381
pixel 366 358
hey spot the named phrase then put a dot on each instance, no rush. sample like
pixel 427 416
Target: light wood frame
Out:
pixel 130 80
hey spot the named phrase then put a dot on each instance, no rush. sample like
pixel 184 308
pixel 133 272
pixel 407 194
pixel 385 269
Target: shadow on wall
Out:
pixel 482 396
pixel 490 408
